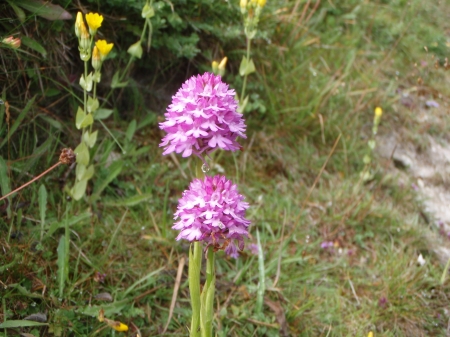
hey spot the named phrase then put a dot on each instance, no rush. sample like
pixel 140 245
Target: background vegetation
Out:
pixel 322 68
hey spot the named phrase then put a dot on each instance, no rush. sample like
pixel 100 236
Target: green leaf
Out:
pixel 18 120
pixel 19 12
pixel 89 172
pixel 4 182
pixel 79 171
pixel 131 130
pixel 72 221
pixel 109 309
pixel 19 324
pixel 82 153
pixel 42 203
pixel 132 201
pixel 53 122
pixel 90 138
pixel 79 189
pixel 33 44
pixel 136 49
pixel 148 11
pixel 247 66
pixel 79 118
pixel 63 270
pixel 44 9
pixel 242 105
pixel 243 66
pixel 102 113
pixel 88 120
pixel 115 83
pixel 92 104
pixel 113 171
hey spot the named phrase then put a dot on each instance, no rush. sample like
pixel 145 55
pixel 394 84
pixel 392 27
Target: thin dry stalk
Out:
pixel 67 157
pixel 175 292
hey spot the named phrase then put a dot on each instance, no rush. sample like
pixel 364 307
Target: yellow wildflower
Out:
pixel 243 4
pixel 118 326
pixel 378 112
pixel 370 334
pixel 261 3
pixel 104 48
pixel 94 21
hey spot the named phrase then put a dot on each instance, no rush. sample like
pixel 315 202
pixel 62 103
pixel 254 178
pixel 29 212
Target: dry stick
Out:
pixel 312 11
pixel 67 157
pixel 299 23
pixel 319 175
pixel 175 292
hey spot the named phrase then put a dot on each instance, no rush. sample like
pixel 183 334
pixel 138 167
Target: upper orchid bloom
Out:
pixel 202 117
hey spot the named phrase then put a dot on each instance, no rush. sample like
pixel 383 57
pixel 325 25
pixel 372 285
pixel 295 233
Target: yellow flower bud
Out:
pixel 261 3
pixel 223 63
pixel 104 48
pixel 222 66
pixel 85 41
pixel 378 112
pixel 370 334
pixel 94 21
pixel 215 67
pixel 79 21
pixel 96 58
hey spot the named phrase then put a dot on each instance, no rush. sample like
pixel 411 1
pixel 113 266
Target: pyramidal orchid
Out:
pixel 202 117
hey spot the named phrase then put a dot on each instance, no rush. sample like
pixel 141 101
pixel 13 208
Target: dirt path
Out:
pixel 426 168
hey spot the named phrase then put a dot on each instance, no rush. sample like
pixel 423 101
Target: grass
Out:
pixel 319 79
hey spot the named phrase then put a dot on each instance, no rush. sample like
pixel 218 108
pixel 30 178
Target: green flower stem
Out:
pixel 85 95
pixel 249 42
pixel 207 297
pixel 195 265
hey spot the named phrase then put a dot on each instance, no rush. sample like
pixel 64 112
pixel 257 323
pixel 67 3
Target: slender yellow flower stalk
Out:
pixel 104 48
pixel 94 21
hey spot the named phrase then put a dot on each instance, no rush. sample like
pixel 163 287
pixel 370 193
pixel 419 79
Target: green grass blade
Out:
pixel 62 264
pixel 18 121
pixel 4 182
pixel 42 207
pixel 19 324
pixel 262 276
pixel 113 171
